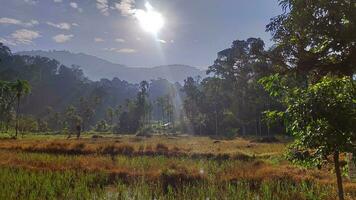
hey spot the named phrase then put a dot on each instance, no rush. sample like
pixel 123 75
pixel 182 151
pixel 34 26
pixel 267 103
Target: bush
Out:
pixel 231 134
pixel 145 131
pixel 102 126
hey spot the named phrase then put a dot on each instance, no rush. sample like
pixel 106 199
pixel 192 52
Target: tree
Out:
pixel 53 119
pixel 27 124
pixel 237 70
pixel 129 118
pixel 322 117
pixel 87 110
pixel 72 119
pixel 20 88
pixel 192 103
pixel 110 115
pixel 160 102
pixel 7 98
pixel 142 103
pixel 118 111
pixel 168 108
pixel 315 37
pixel 215 103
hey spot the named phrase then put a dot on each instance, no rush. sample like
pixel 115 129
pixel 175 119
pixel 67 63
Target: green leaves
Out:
pixel 315 36
pixel 322 117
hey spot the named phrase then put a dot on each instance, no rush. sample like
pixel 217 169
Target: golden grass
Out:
pixel 251 170
pixel 187 144
pixel 175 160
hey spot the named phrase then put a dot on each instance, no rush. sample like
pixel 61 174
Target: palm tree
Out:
pixel 20 89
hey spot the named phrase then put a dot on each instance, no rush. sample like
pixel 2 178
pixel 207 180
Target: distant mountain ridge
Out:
pixel 96 68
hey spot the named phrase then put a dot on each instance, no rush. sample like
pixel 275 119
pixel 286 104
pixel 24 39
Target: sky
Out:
pixel 187 32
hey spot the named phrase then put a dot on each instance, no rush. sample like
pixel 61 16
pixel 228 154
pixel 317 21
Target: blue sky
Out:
pixel 193 32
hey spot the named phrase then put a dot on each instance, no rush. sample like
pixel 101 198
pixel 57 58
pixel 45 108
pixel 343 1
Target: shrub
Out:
pixel 146 132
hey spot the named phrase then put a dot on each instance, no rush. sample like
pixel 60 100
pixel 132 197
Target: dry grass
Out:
pixel 195 146
pixel 170 161
pixel 229 171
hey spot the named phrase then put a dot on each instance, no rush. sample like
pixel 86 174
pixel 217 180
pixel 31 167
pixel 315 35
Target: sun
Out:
pixel 150 20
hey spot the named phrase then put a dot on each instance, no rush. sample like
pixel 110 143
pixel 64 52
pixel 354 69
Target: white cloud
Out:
pixel 123 50
pixel 32 23
pixel 31 2
pixel 126 7
pixel 103 6
pixel 98 39
pixel 21 37
pixel 63 25
pixel 61 38
pixel 6 20
pixel 119 40
pixel 75 6
pixel 75 24
pixel 126 50
pixel 25 36
pixel 162 41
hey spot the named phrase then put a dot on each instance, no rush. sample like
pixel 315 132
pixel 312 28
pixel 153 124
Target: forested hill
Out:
pixel 56 87
pixel 96 68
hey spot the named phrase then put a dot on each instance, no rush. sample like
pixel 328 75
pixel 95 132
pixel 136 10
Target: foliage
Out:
pixel 322 118
pixel 315 37
pixel 232 99
pixel 10 95
pixel 102 126
pixel 57 87
pixel 28 124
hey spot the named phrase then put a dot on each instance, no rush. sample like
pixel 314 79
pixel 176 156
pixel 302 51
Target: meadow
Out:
pixel 158 167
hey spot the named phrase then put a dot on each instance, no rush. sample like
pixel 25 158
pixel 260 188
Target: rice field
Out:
pixel 159 167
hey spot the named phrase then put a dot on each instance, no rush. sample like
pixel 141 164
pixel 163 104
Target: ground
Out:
pixel 157 167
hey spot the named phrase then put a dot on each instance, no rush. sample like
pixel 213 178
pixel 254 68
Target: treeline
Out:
pixel 308 45
pixel 231 101
pixel 62 97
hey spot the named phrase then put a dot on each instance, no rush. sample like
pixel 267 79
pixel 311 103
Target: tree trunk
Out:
pixel 243 129
pixel 17 117
pixel 216 121
pixel 260 126
pixel 256 126
pixel 338 176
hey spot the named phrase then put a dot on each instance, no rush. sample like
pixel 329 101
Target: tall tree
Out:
pixel 110 115
pixel 160 102
pixel 239 68
pixel 315 37
pixel 7 98
pixel 142 102
pixel 192 104
pixel 20 88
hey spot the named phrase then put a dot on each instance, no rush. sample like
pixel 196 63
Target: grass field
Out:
pixel 159 167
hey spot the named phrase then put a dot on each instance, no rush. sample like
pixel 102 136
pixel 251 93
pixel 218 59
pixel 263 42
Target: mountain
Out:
pixel 57 87
pixel 96 68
